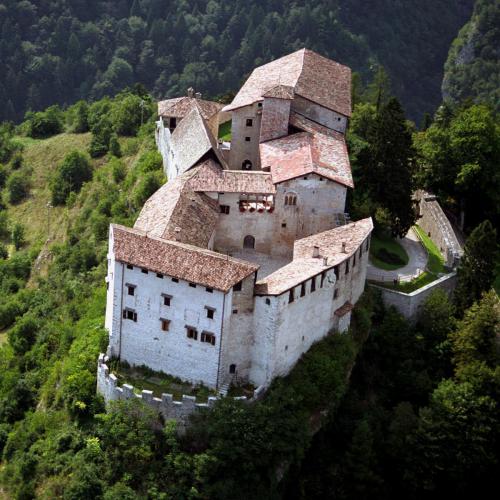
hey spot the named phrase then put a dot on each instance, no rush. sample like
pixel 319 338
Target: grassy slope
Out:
pixel 390 244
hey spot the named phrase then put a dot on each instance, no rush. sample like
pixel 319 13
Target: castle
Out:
pixel 245 257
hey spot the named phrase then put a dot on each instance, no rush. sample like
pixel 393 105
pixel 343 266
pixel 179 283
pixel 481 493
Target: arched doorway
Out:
pixel 248 241
pixel 232 368
pixel 246 165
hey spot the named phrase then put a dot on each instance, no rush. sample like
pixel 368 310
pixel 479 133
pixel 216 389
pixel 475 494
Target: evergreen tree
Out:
pixel 476 268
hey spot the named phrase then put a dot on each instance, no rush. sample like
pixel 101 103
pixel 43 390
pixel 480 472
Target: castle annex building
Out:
pixel 245 257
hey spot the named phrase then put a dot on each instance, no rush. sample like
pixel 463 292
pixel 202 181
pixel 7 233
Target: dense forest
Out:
pixel 473 66
pixel 60 51
pixel 418 419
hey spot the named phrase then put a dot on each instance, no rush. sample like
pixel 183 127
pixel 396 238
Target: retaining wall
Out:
pixel 107 386
pixel 437 226
pixel 408 304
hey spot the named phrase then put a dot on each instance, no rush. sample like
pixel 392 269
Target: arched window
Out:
pixel 249 242
pixel 232 368
pixel 290 199
pixel 246 165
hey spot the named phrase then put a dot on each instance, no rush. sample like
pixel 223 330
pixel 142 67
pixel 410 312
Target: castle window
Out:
pixel 347 266
pixel 130 266
pixel 248 241
pixel 144 271
pixel 173 123
pixel 210 312
pixel 175 280
pixel 249 122
pixel 235 311
pixel 209 290
pixel 159 275
pixel 283 224
pixel 335 293
pixel 237 287
pixel 313 284
pixel 224 209
pixel 191 333
pixel 247 139
pixel 246 165
pixel 208 337
pixel 130 289
pixel 259 105
pixel 192 285
pixel 321 179
pixel 303 289
pixel 291 298
pixel 290 200
pixel 354 260
pixel 166 299
pixel 268 302
pixel 232 368
pixel 165 324
pixel 305 178
pixel 323 276
pixel 336 271
pixel 130 314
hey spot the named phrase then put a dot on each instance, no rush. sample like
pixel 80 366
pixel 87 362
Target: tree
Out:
pixel 389 167
pixel 18 236
pixel 80 123
pixel 69 177
pixel 477 265
pixel 18 186
pixel 101 137
pixel 45 123
pixel 114 146
pixel 129 113
pixel 22 336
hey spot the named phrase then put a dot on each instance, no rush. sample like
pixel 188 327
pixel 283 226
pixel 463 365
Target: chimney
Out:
pixel 325 261
pixel 190 92
pixel 343 247
pixel 315 251
pixel 198 95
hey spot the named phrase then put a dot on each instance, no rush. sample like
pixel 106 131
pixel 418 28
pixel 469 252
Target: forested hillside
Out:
pixel 60 51
pixel 473 66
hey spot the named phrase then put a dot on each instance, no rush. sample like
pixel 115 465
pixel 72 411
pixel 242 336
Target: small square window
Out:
pixel 130 266
pixel 208 338
pixel 144 271
pixel 237 287
pixel 247 139
pixel 131 289
pixel 268 302
pixel 291 297
pixel 249 122
pixel 321 179
pixel 191 333
pixel 224 209
pixel 175 280
pixel 210 312
pixel 235 311
pixel 130 314
pixel 192 285
pixel 336 293
pixel 209 290
pixel 165 324
pixel 283 224
pixel 159 275
pixel 166 299
pixel 259 105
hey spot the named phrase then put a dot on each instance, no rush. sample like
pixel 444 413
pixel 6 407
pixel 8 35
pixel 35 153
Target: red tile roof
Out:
pixel 310 75
pixel 178 260
pixel 320 151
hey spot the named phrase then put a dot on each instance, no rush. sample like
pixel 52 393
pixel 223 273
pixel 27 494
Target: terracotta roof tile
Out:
pixel 186 262
pixel 319 151
pixel 210 177
pixel 310 75
pixel 179 107
pixel 304 266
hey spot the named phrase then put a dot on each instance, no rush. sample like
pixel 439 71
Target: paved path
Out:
pixel 416 263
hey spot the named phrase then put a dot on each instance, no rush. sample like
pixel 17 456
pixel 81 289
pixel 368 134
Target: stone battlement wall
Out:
pixel 408 304
pixel 107 386
pixel 435 223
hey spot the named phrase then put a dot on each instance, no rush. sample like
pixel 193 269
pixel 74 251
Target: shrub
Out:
pixel 3 176
pixel 18 236
pixel 4 225
pixel 150 183
pixel 4 254
pixel 16 161
pixel 114 146
pixel 118 170
pixel 70 175
pixel 45 123
pixel 8 313
pixel 22 335
pixel 79 117
pixel 149 162
pixel 101 137
pixel 18 186
pixel 128 113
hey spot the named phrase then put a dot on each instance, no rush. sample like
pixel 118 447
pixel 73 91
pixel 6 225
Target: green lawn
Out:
pixel 3 338
pixel 158 382
pixel 225 131
pixel 435 264
pixel 382 242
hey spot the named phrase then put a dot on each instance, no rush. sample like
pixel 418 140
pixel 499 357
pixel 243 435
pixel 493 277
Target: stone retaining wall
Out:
pixel 437 226
pixel 408 304
pixel 107 386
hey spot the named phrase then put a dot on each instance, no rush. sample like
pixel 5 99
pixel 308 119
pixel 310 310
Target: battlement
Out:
pixel 107 386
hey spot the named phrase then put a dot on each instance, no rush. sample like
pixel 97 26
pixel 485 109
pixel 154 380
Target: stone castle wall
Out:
pixel 437 226
pixel 181 411
pixel 409 304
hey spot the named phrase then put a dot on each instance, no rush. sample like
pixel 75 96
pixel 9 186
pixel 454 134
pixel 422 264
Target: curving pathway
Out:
pixel 416 263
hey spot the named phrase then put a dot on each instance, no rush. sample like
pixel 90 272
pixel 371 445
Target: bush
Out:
pixel 22 335
pixel 16 161
pixel 3 176
pixel 4 254
pixel 70 175
pixel 8 313
pixel 78 117
pixel 45 123
pixel 150 183
pixel 127 114
pixel 118 170
pixel 101 137
pixel 114 146
pixel 18 186
pixel 18 236
pixel 4 225
pixel 149 162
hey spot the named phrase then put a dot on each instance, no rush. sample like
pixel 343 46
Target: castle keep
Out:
pixel 245 257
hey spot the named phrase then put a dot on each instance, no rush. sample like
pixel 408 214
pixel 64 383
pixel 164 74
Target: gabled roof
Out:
pixel 310 75
pixel 186 262
pixel 210 177
pixel 322 152
pixel 191 140
pixel 179 107
pixel 304 266
pixel 178 213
